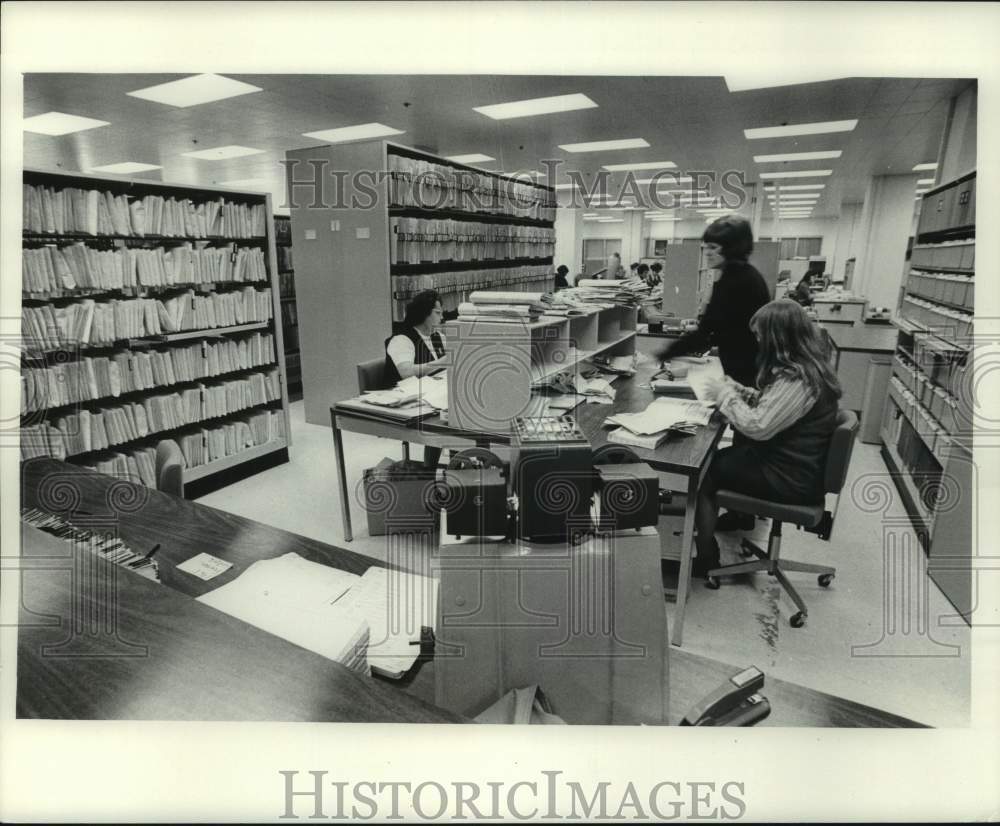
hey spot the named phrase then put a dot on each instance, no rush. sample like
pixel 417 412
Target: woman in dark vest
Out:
pixel 418 350
pixel 787 423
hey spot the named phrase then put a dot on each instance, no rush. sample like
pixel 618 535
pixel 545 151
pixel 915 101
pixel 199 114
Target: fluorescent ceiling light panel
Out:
pixel 741 83
pixel 194 90
pixel 803 173
pixel 822 128
pixel 795 196
pixel 923 181
pixel 536 106
pixel 799 156
pixel 353 133
pixel 125 168
pixel 786 187
pixel 924 167
pixel 247 183
pixel 666 180
pixel 662 218
pixel 591 215
pixel 625 167
pixel 605 146
pixel 611 220
pixel 475 157
pixel 222 153
pixel 59 123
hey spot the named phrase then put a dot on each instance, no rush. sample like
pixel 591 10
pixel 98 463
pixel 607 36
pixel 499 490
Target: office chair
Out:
pixel 170 468
pixel 371 376
pixel 813 518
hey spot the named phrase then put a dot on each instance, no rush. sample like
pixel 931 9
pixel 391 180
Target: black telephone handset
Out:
pixel 737 702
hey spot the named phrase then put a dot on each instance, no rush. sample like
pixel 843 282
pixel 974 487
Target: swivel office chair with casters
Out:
pixel 170 468
pixel 813 518
pixel 371 376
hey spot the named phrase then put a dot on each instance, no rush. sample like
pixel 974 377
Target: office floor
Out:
pixel 891 645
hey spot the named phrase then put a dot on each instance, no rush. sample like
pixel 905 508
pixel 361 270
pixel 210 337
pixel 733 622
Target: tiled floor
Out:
pixel 907 659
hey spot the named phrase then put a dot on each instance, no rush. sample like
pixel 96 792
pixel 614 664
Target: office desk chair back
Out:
pixel 371 376
pixel 813 518
pixel 170 468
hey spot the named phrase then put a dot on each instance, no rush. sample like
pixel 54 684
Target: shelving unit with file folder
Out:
pixel 928 421
pixel 374 223
pixel 289 307
pixel 495 365
pixel 149 313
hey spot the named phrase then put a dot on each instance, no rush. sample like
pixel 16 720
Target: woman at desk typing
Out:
pixel 787 423
pixel 418 350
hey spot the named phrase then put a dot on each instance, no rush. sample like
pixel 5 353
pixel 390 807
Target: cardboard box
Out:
pixel 400 498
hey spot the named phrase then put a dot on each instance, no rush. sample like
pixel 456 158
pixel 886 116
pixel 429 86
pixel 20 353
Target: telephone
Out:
pixel 737 702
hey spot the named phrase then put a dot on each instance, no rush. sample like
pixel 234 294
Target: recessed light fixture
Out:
pixel 611 220
pixel 793 197
pixel 536 106
pixel 591 214
pixel 924 167
pixel 191 91
pixel 741 83
pixel 605 146
pixel 59 123
pixel 666 180
pixel 222 153
pixel 803 173
pixel 625 167
pixel 125 168
pixel 475 157
pixel 247 183
pixel 799 156
pixel 662 218
pixel 353 133
pixel 821 128
pixel 786 187
pixel 921 191
pixel 923 181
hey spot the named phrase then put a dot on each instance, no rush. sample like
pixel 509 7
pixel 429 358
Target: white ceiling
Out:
pixel 693 121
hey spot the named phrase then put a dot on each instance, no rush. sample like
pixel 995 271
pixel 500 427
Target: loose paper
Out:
pixel 204 566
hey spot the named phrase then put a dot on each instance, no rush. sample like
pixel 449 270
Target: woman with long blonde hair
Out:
pixel 787 421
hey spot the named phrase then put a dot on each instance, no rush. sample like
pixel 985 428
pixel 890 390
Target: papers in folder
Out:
pixel 412 399
pixel 650 427
pixel 359 621
pixel 299 601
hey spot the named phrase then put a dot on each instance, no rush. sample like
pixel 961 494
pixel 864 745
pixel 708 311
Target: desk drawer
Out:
pixel 839 311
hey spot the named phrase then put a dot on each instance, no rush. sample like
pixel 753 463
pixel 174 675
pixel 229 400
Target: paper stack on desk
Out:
pixel 299 601
pixel 650 427
pixel 359 621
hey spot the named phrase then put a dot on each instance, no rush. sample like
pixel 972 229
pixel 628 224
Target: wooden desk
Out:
pixel 196 663
pixel 688 456
pixel 169 657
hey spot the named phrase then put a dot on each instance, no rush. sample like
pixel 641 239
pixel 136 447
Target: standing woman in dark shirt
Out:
pixel 739 292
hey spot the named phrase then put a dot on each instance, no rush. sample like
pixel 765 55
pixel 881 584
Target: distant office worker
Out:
pixel 561 272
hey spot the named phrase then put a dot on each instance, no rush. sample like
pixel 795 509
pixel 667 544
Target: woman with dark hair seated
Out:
pixel 788 422
pixel 419 349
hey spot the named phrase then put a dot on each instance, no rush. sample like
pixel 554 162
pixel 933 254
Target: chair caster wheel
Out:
pixel 712 583
pixel 746 551
pixel 797 620
pixel 824 580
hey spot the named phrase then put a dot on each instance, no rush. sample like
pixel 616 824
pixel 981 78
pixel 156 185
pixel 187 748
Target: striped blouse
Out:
pixel 761 415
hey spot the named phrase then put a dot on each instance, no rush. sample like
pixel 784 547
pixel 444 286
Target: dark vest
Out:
pixel 794 460
pixel 422 355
